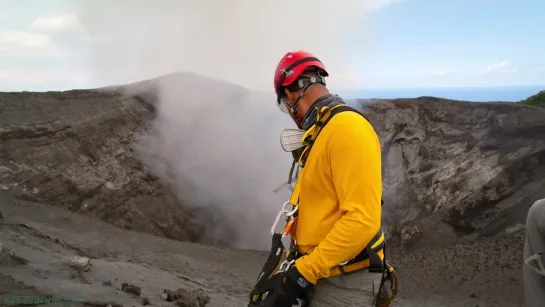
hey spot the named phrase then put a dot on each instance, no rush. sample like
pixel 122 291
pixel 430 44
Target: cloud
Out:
pixel 60 22
pixel 377 4
pixel 430 47
pixel 22 44
pixel 40 78
pixel 502 67
pixel 242 46
pixel 345 79
pixel 494 67
pixel 510 70
pixel 499 67
pixel 23 39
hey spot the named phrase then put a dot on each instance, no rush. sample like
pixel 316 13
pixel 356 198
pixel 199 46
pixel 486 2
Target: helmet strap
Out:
pixel 299 119
pixel 311 80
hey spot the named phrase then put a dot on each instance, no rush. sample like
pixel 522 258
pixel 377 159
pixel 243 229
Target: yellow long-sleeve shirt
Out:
pixel 340 196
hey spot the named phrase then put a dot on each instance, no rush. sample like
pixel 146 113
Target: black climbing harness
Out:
pixel 274 265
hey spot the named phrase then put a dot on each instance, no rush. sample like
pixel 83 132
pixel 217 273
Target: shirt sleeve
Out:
pixel 355 160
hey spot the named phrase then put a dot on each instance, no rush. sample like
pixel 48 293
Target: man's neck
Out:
pixel 325 100
pixel 313 94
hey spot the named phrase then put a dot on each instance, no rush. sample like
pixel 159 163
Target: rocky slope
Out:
pixel 473 168
pixel 79 150
pixel 76 150
pixel 459 177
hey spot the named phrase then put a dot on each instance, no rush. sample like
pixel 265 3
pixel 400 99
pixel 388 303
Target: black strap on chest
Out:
pixel 321 123
pixel 311 139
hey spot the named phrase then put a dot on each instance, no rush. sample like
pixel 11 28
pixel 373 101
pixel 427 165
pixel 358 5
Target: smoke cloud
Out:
pixel 218 143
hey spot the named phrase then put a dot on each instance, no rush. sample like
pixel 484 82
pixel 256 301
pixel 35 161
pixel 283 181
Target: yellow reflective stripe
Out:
pixel 313 130
pixel 390 268
pixel 294 199
pixel 379 241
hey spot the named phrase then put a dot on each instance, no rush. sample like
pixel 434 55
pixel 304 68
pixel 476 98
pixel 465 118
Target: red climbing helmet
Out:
pixel 291 67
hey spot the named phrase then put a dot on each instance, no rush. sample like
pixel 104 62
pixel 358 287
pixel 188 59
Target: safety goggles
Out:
pixel 282 104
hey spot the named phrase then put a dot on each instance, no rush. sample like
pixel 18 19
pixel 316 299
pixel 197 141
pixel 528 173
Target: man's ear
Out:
pixel 288 95
pixel 286 92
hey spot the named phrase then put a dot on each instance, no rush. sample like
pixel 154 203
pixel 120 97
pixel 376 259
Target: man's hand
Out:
pixel 290 285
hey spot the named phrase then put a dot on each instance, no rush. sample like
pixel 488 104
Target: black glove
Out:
pixel 290 285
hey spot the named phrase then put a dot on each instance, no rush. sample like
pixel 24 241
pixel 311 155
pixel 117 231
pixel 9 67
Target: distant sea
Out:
pixel 481 94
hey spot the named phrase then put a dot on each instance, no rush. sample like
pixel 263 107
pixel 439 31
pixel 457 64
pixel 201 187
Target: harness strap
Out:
pixel 376 265
pixel 324 115
pixel 269 269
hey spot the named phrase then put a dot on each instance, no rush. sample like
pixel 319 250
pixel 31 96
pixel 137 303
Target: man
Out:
pixel 339 203
pixel 534 271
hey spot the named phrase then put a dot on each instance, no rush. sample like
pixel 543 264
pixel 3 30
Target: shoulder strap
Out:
pixel 325 115
pixel 321 122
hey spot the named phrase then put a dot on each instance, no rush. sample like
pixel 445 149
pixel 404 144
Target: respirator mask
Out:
pixel 291 141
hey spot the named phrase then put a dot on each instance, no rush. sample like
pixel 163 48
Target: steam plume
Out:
pixel 220 142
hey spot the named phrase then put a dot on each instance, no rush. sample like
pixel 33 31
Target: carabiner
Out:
pixel 284 266
pixel 283 211
pixel 289 213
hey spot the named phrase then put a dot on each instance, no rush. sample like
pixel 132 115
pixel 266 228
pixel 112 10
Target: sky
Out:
pixel 61 44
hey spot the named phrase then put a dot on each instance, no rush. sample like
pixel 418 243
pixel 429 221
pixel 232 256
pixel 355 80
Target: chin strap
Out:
pixel 304 88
